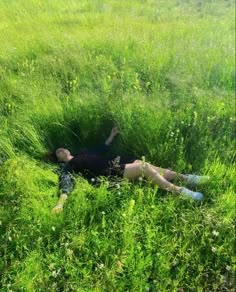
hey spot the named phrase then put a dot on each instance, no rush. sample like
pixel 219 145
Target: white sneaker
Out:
pixel 194 195
pixel 194 180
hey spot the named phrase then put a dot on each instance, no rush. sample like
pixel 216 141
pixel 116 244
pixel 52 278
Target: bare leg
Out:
pixel 167 173
pixel 189 179
pixel 170 174
pixel 136 169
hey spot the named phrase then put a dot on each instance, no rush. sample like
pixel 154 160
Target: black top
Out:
pixel 90 163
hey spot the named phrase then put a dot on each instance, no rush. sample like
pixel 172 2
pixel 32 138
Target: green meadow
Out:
pixel 163 72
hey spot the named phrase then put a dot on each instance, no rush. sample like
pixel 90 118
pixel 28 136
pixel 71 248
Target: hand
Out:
pixel 114 131
pixel 57 209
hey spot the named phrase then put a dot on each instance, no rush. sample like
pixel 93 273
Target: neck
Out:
pixel 70 157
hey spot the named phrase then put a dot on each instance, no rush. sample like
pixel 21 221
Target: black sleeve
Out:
pixel 66 181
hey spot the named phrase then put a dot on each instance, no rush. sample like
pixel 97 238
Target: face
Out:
pixel 62 154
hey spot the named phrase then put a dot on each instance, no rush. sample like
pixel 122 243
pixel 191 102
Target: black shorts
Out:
pixel 117 166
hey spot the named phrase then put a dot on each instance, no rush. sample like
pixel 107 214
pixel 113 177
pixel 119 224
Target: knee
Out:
pixel 146 168
pixel 143 165
pixel 169 174
pixel 150 173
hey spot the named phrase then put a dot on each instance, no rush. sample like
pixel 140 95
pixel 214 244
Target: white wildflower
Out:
pixel 213 249
pixel 101 266
pixel 228 268
pixel 54 274
pixel 70 252
pixel 214 232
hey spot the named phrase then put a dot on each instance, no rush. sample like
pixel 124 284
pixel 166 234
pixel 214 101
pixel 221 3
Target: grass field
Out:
pixel 163 72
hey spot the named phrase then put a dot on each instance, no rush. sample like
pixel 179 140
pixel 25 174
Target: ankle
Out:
pixel 183 177
pixel 175 189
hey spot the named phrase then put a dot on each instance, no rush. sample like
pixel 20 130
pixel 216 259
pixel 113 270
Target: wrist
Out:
pixel 108 141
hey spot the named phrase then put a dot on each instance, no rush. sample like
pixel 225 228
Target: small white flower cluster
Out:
pixel 214 232
pixel 213 249
pixel 100 266
pixel 228 268
pixel 69 252
pixel 56 273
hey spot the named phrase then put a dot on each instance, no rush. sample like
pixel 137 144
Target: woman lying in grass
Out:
pixel 92 163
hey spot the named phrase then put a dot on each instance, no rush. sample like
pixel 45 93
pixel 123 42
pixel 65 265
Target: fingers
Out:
pixel 115 130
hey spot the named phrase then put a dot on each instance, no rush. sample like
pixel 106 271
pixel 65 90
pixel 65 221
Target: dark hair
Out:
pixel 50 156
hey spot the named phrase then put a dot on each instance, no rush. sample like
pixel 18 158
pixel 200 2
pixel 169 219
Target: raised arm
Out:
pixel 104 148
pixel 112 135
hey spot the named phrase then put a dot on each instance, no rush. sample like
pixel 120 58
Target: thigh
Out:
pixel 133 170
pixel 162 171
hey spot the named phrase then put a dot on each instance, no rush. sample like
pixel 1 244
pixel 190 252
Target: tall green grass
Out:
pixel 163 71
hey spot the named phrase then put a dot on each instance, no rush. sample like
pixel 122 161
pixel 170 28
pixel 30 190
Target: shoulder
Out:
pixel 65 167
